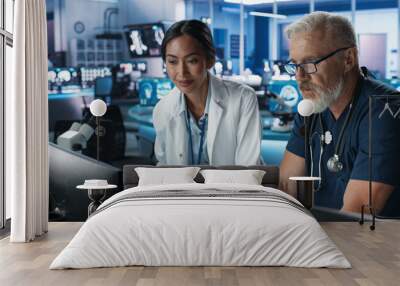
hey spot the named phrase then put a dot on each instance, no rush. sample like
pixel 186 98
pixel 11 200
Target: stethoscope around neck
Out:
pixel 334 164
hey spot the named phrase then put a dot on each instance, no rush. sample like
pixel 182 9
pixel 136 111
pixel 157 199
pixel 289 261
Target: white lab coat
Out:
pixel 234 126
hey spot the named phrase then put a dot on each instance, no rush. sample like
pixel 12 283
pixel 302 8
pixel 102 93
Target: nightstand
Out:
pixel 96 195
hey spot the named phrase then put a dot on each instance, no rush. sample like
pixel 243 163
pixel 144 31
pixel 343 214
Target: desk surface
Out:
pixel 66 95
pixel 374 255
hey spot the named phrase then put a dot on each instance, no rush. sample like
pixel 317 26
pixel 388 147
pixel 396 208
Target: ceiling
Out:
pixel 302 6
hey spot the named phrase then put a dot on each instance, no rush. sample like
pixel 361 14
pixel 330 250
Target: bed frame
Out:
pixel 270 179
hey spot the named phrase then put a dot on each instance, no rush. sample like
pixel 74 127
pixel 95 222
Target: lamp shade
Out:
pixel 98 107
pixel 305 107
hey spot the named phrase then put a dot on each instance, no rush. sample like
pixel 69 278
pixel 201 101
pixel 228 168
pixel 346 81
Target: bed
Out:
pixel 198 224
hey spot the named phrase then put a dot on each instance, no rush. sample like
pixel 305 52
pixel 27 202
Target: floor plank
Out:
pixel 374 255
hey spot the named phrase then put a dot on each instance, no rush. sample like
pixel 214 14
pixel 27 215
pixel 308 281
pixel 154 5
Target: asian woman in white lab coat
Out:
pixel 204 120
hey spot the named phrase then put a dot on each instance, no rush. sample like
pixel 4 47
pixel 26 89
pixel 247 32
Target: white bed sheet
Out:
pixel 200 231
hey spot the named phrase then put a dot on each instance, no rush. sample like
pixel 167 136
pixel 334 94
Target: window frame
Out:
pixel 6 39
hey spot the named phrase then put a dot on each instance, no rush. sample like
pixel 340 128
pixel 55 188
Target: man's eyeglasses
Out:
pixel 309 67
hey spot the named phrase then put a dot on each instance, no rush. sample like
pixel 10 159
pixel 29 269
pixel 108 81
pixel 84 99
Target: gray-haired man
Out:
pixel 324 59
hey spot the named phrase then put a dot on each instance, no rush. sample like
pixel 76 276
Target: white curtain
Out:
pixel 27 124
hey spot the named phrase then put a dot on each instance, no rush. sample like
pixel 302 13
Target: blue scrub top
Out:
pixel 385 150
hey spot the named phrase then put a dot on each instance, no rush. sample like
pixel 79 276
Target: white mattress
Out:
pixel 183 231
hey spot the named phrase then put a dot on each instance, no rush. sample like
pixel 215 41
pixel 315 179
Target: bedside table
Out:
pixel 96 195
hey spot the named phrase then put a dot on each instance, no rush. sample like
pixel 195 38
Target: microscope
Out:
pixel 282 108
pixel 77 136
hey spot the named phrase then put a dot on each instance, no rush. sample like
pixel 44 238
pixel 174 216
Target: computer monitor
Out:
pixel 127 68
pixel 144 40
pixel 63 80
pixel 89 75
pixel 103 86
pixel 151 90
pixel 67 170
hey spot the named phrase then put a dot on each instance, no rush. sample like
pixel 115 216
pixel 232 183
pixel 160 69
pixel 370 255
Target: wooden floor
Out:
pixel 374 255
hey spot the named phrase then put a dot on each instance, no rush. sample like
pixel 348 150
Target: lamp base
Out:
pixel 372 212
pixel 100 131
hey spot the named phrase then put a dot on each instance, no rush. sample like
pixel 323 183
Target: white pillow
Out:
pixel 164 176
pixel 248 177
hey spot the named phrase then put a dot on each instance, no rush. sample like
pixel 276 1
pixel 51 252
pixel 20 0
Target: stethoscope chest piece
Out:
pixel 334 165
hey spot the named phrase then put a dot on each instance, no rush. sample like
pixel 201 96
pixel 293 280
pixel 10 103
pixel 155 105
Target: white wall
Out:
pixel 381 21
pixel 90 13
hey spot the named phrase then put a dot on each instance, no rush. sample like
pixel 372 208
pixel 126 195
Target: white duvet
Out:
pixel 183 231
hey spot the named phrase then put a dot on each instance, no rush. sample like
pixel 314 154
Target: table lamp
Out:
pixel 306 109
pixel 98 108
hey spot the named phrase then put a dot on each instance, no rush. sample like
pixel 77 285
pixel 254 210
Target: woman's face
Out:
pixel 187 64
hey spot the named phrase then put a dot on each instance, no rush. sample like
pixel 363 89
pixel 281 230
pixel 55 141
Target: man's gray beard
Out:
pixel 327 97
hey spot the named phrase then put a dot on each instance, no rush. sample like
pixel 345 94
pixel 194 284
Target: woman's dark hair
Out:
pixel 195 29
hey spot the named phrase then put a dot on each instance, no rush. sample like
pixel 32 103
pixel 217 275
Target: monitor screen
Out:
pixel 62 79
pixel 67 76
pixel 103 86
pixel 89 75
pixel 129 67
pixel 145 40
pixel 151 90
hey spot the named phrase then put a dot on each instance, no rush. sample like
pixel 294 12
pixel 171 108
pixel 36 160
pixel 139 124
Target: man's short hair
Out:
pixel 338 27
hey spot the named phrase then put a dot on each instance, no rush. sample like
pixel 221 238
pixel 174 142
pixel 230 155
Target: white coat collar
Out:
pixel 218 93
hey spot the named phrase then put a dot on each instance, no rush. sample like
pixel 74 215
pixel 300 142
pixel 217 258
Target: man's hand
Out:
pixel 291 165
pixel 357 195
